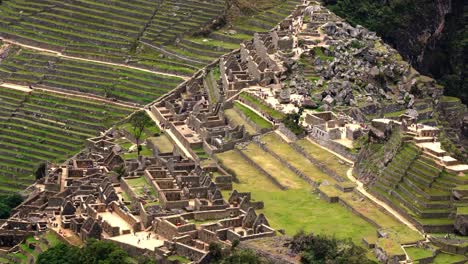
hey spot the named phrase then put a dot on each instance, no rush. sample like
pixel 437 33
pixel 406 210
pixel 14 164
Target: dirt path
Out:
pixel 21 88
pixel 86 96
pixel 171 135
pixel 59 54
pixel 26 89
pixel 363 191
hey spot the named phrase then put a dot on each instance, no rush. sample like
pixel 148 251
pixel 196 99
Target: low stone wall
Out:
pixel 335 147
pixel 351 208
pixel 287 133
pixel 269 176
pixel 287 164
pixel 250 122
pixel 131 250
pixel 126 188
pixel 126 216
pixel 326 197
pixel 317 163
pixel 451 248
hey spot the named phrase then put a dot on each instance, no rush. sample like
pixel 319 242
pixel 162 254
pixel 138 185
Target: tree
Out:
pixel 242 256
pixel 216 252
pixel 41 170
pixel 293 122
pixel 139 121
pixel 103 252
pixel 121 171
pixel 60 254
pixel 316 249
pixel 94 252
pixel 8 202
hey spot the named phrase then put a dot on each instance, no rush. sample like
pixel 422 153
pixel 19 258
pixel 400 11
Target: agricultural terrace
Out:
pixel 108 31
pixel 207 47
pixel 259 121
pixel 28 67
pixel 262 163
pixel 296 208
pixel 42 126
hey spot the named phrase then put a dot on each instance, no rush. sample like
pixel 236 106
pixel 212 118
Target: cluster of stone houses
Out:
pixel 84 199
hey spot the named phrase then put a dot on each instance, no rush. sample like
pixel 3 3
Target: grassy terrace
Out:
pixel 253 116
pixel 108 31
pixel 296 208
pixel 277 145
pixel 33 68
pixel 109 28
pixel 162 143
pixel 47 127
pixel 418 187
pixel 238 120
pixel 138 186
pixel 205 48
pixel 260 106
pixel 329 160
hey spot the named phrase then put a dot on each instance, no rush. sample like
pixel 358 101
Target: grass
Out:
pixel 52 238
pixel 262 106
pixel 416 253
pixel 281 173
pixel 295 209
pixel 326 158
pixel 137 184
pixel 145 152
pixel 390 246
pixel 237 120
pixel 276 144
pixel 446 258
pixel 149 131
pixel 162 143
pixel 254 117
pixel 178 258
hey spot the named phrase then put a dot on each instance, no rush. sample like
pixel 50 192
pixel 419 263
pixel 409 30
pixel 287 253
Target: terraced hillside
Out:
pixel 286 176
pixel 40 126
pixel 203 48
pixel 414 183
pixel 29 67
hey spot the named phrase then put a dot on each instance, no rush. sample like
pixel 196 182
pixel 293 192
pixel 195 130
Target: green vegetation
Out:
pixel 180 259
pixel 297 208
pixel 293 122
pixel 7 203
pixel 138 186
pixel 46 69
pixel 237 120
pixel 446 258
pixel 324 249
pixel 93 252
pixel 416 253
pixel 139 121
pixel 329 160
pixel 162 143
pixel 254 117
pixel 46 127
pixel 259 105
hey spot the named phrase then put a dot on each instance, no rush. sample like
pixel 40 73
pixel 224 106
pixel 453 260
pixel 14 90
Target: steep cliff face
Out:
pixel 430 34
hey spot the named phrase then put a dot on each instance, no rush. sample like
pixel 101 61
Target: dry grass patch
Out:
pixel 267 162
